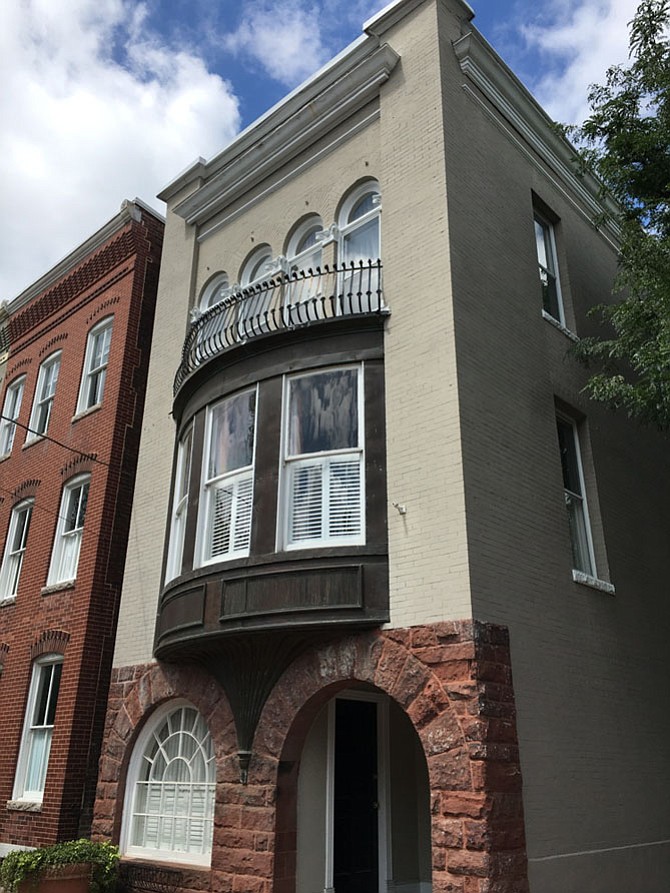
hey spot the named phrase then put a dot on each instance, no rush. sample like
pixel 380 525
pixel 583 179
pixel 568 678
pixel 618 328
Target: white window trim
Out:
pixel 20 793
pixel 156 720
pixel 345 227
pixel 230 478
pixel 218 287
pixel 256 256
pixel 88 373
pixel 284 515
pixel 39 400
pixel 10 410
pixel 179 506
pixel 551 230
pixel 54 577
pixel 10 559
pixel 583 499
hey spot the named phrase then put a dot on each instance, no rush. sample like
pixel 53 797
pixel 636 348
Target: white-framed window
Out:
pixel 179 506
pixel 169 807
pixel 360 241
pixel 228 478
pixel 257 268
pixel 69 531
pixel 15 547
pixel 38 728
pixel 304 254
pixel 10 413
pixel 545 244
pixel 95 365
pixel 323 468
pixel 214 291
pixel 44 397
pixel 583 558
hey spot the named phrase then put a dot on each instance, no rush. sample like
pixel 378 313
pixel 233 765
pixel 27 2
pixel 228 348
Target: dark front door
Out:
pixel 355 855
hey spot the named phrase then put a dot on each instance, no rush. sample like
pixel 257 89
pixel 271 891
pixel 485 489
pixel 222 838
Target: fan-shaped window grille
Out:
pixel 173 792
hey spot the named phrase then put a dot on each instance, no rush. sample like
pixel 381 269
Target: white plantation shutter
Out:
pixel 325 502
pixel 344 511
pixel 306 503
pixel 230 517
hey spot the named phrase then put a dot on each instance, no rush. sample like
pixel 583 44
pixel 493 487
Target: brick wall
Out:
pixel 453 679
pixel 119 278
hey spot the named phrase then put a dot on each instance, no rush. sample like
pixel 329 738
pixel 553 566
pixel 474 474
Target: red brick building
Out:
pixel 72 404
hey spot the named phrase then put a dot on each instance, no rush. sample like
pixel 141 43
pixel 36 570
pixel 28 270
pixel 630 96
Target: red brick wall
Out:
pixel 454 682
pixel 118 279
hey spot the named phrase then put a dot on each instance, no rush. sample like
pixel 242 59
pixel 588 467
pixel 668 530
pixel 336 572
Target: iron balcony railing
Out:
pixel 284 302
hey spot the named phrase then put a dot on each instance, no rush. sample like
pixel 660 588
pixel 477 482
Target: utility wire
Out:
pixel 65 446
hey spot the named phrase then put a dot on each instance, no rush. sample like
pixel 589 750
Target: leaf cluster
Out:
pixel 20 865
pixel 626 141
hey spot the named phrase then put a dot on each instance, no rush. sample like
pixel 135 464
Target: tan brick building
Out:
pixel 77 350
pixel 411 606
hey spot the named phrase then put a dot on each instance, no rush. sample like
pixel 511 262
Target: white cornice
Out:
pixel 397 10
pixel 483 66
pixel 289 129
pixel 130 210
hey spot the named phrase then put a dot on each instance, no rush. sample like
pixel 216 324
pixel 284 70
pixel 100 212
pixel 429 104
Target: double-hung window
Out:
pixel 545 244
pixel 69 531
pixel 95 365
pixel 323 462
pixel 304 262
pixel 575 497
pixel 228 478
pixel 179 506
pixel 38 728
pixel 10 413
pixel 44 397
pixel 15 547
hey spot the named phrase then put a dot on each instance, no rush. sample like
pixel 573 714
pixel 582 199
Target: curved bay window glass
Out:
pixel 179 506
pixel 173 781
pixel 228 478
pixel 323 459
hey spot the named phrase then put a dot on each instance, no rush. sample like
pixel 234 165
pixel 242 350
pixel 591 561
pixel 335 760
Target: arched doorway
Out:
pixel 363 803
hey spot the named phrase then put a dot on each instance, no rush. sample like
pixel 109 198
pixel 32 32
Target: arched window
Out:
pixel 359 224
pixel 255 267
pixel 304 250
pixel 216 290
pixel 169 812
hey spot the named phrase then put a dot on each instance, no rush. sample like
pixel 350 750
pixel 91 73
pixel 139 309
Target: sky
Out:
pixel 106 100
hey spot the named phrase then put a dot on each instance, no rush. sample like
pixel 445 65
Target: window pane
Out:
pixel 232 434
pixel 362 243
pixel 569 462
pixel 323 412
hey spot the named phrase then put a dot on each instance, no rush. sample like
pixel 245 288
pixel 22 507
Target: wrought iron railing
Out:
pixel 284 302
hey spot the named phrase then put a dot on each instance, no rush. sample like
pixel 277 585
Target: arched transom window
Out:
pixel 173 779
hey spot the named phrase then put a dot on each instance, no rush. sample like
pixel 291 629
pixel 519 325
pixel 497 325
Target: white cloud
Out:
pixel 284 38
pixel 94 109
pixel 575 46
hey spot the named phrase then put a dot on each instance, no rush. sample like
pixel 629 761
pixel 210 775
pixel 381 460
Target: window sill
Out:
pixel 57 587
pixel 8 600
pixel 86 412
pixel 5 456
pixel 37 439
pixel 25 805
pixel 593 582
pixel 559 325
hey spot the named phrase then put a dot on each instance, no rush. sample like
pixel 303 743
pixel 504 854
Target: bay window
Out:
pixel 323 462
pixel 228 478
pixel 179 506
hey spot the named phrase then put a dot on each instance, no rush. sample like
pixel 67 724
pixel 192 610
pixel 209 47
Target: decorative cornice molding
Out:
pixel 482 65
pixel 130 210
pixel 288 130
